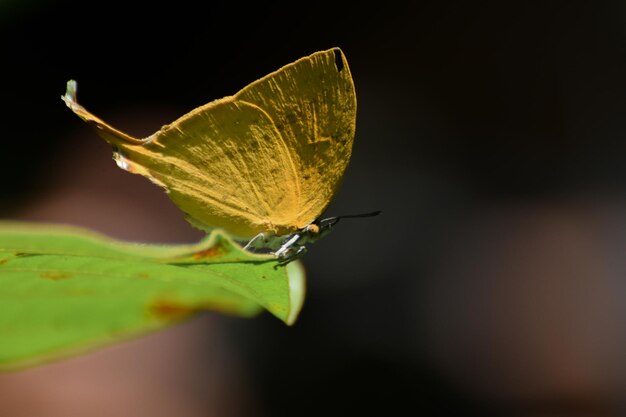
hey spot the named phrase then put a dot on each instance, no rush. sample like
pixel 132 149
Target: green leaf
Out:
pixel 64 290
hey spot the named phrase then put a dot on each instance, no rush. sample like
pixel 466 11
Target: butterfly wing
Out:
pixel 225 165
pixel 313 105
pixel 268 159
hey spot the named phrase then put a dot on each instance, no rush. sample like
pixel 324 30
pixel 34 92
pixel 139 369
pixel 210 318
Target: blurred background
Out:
pixel 490 134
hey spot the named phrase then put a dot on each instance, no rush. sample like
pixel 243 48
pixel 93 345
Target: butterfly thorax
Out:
pixel 288 247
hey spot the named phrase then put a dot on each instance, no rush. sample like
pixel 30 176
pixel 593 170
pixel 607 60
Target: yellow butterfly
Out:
pixel 262 164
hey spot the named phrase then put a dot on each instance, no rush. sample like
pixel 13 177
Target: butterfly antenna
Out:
pixel 331 221
pixel 372 214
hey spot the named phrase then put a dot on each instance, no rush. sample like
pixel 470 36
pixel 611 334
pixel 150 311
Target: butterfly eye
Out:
pixel 313 229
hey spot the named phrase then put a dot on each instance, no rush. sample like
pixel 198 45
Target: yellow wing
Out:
pixel 313 104
pixel 225 165
pixel 268 159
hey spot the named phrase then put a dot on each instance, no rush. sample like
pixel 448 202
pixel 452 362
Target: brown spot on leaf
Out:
pixel 55 276
pixel 169 310
pixel 3 261
pixel 142 275
pixel 211 252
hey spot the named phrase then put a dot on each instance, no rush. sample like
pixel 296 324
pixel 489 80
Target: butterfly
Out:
pixel 262 164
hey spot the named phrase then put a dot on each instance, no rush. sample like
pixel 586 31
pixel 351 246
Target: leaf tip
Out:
pixel 297 289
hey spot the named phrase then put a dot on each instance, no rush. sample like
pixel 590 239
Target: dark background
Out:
pixel 490 134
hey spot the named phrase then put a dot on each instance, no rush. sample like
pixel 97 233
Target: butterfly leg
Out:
pixel 286 248
pixel 259 241
pixel 292 255
pixel 290 250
